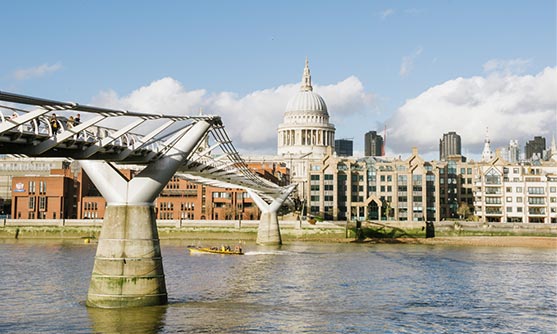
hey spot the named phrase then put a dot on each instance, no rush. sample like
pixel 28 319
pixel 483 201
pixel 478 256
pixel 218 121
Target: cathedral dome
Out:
pixel 307 101
pixel 306 106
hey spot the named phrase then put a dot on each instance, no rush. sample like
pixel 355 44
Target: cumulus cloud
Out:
pixel 34 72
pixel 511 106
pixel 408 62
pixel 250 120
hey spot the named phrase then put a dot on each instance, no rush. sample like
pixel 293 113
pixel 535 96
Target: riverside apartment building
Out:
pixel 413 189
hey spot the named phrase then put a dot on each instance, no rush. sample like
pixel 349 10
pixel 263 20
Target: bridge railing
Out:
pixel 42 127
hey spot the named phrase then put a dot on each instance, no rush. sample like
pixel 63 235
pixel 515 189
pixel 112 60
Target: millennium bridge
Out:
pixel 128 269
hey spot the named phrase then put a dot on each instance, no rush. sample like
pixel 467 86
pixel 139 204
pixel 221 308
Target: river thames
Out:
pixel 298 288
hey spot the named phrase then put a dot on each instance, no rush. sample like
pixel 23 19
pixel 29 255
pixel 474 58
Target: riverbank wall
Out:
pixel 290 229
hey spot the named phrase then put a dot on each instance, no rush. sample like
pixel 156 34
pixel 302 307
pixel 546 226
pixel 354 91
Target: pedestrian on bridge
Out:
pixel 54 124
pixel 70 122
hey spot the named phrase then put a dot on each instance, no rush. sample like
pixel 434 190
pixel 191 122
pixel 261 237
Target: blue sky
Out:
pixel 374 62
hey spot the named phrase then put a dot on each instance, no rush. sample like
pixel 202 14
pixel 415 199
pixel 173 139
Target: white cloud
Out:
pixel 512 106
pixel 251 120
pixel 506 66
pixel 34 72
pixel 386 13
pixel 408 62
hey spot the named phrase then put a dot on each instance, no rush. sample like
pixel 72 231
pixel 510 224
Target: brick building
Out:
pixel 45 197
pixel 71 194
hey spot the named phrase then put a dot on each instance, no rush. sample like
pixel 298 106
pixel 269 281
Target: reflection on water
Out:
pixel 132 320
pixel 296 288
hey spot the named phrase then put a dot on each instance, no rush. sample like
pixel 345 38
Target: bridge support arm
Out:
pixel 268 232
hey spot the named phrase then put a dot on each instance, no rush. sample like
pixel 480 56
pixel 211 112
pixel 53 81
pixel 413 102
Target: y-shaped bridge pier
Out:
pixel 128 269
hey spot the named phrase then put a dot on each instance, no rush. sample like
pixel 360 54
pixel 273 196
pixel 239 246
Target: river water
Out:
pixel 297 288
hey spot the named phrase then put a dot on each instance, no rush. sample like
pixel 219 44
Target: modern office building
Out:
pixel 450 146
pixel 534 149
pixel 344 147
pixel 373 144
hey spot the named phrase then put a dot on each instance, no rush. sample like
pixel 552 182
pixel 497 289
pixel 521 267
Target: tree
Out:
pixel 463 210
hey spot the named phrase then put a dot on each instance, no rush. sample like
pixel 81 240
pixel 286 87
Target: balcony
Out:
pixel 536 212
pixel 493 212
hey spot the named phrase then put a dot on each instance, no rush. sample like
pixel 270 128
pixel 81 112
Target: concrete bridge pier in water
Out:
pixel 128 268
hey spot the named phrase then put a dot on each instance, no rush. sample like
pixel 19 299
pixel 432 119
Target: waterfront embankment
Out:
pixel 446 232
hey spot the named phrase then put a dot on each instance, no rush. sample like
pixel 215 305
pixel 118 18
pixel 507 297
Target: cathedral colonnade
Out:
pixel 304 137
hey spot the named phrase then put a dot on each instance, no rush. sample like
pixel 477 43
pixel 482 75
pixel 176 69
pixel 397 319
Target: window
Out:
pixel 42 187
pixel 535 190
pixel 31 187
pixel 42 203
pixel 509 199
pixel 31 202
pixel 492 177
pixel 315 177
pixel 536 200
pixel 509 209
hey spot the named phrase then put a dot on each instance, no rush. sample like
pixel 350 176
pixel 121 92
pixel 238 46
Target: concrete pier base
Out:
pixel 268 232
pixel 128 269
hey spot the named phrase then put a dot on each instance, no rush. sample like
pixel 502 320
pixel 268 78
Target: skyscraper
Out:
pixel 535 146
pixel 373 144
pixel 344 147
pixel 513 151
pixel 449 145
